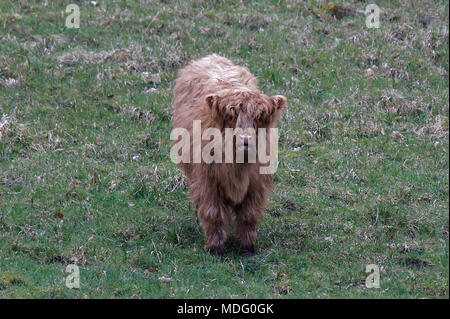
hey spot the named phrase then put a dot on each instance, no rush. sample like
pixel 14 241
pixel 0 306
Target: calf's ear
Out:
pixel 279 101
pixel 213 103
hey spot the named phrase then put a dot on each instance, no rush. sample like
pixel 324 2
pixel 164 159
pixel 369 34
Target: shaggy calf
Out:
pixel 222 95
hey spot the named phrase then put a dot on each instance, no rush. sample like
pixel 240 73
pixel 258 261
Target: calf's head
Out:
pixel 245 112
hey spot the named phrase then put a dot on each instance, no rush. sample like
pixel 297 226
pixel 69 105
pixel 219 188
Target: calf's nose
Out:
pixel 245 138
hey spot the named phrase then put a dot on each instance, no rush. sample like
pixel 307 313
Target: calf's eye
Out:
pixel 260 117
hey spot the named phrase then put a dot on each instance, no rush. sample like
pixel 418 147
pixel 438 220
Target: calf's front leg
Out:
pixel 247 216
pixel 214 219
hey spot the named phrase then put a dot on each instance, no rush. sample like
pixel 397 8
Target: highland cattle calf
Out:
pixel 215 93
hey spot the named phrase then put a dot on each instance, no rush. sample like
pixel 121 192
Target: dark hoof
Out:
pixel 248 252
pixel 216 251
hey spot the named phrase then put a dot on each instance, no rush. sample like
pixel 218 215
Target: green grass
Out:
pixel 85 174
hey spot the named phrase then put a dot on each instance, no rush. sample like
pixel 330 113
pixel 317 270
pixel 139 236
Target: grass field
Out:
pixel 86 179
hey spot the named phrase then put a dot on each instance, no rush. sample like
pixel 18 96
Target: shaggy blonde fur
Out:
pixel 221 94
